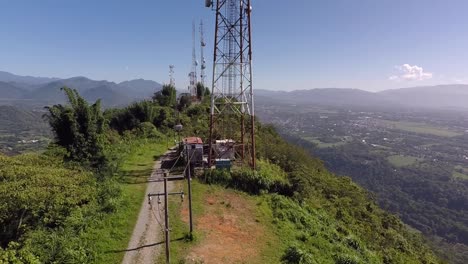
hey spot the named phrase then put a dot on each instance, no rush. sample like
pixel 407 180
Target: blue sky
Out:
pixel 298 44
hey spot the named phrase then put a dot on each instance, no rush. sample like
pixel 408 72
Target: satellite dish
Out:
pixel 208 3
pixel 178 127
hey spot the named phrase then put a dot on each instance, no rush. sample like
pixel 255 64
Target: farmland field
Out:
pixel 402 161
pixel 421 128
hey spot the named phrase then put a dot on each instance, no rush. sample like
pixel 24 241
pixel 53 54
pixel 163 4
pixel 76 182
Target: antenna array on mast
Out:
pixel 202 56
pixel 171 76
pixel 193 73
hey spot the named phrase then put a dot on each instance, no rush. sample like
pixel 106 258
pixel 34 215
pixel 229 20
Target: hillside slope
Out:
pixel 311 215
pixel 10 91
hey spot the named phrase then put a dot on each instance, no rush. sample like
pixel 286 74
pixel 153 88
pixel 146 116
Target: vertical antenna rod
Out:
pixel 171 76
pixel 193 73
pixel 202 56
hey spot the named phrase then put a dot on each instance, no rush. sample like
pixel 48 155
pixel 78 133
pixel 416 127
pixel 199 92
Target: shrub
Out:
pixel 295 255
pixel 346 259
pixel 148 130
pixel 222 177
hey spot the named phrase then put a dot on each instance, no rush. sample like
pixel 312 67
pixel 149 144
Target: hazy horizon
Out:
pixel 266 89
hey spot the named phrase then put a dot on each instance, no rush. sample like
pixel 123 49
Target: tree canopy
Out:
pixel 78 127
pixel 166 97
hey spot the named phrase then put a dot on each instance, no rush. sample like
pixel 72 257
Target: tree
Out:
pixel 132 116
pixel 166 97
pixel 207 92
pixel 200 91
pixel 184 102
pixel 77 127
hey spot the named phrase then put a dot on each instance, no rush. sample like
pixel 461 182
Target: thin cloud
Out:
pixel 410 73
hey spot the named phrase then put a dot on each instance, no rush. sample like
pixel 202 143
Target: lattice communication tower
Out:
pixel 232 116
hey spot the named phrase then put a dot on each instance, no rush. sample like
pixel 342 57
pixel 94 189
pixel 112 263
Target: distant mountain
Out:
pixel 110 93
pixel 10 91
pixel 29 80
pixel 440 96
pixel 325 97
pixel 139 88
pixel 107 95
pixel 433 97
pixel 47 90
pixel 50 92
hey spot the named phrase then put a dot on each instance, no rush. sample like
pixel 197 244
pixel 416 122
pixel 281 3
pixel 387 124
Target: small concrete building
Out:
pixel 193 150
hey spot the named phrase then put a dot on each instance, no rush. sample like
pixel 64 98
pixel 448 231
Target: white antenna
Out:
pixel 171 76
pixel 202 56
pixel 193 73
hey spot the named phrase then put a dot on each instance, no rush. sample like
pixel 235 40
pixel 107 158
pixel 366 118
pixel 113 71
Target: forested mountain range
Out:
pixel 47 90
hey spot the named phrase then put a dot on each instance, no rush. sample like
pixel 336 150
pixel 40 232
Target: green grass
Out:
pixel 422 128
pixel 180 244
pixel 403 161
pixel 459 175
pixel 321 144
pixel 115 232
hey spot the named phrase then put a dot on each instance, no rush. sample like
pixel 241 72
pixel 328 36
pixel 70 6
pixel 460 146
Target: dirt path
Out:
pixel 147 238
pixel 232 234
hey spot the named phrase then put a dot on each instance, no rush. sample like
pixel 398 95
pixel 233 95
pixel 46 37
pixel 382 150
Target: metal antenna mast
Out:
pixel 232 94
pixel 193 73
pixel 171 75
pixel 202 56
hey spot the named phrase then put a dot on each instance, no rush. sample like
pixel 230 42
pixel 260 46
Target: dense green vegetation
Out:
pixel 78 201
pixel 425 196
pixel 404 157
pixel 70 204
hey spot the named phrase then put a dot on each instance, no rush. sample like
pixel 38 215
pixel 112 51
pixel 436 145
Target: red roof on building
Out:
pixel 193 140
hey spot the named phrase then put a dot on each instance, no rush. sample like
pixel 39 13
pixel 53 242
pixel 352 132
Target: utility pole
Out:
pixel 188 175
pixel 189 180
pixel 166 219
pixel 165 179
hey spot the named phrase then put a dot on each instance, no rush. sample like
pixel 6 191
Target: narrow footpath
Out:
pixel 147 239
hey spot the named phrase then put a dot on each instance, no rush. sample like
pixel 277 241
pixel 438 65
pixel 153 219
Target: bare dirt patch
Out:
pixel 230 232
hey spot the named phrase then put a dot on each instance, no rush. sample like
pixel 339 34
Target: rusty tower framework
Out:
pixel 232 114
